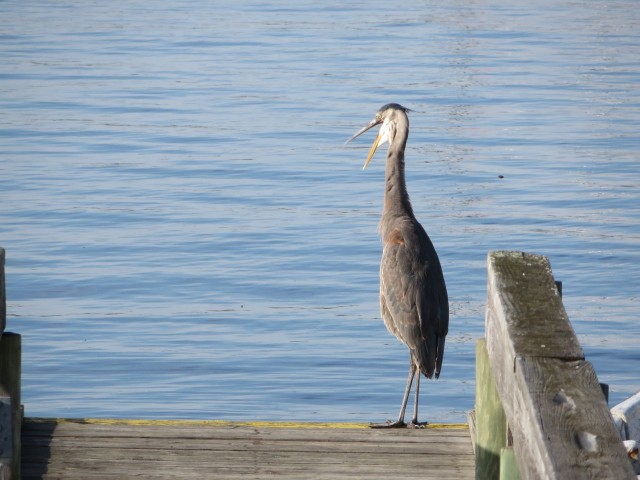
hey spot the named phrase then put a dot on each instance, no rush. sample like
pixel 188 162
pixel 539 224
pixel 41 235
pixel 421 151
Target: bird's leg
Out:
pixel 415 423
pixel 400 422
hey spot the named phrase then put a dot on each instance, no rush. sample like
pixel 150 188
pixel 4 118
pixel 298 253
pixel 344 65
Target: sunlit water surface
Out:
pixel 188 237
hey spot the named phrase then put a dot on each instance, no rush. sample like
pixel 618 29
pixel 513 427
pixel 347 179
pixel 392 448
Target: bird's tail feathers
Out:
pixel 425 358
pixel 439 355
pixel 429 356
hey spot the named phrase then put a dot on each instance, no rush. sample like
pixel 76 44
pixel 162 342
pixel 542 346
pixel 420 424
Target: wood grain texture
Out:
pixel 525 309
pixel 553 402
pixel 509 469
pixel 71 450
pixel 569 418
pixel 491 423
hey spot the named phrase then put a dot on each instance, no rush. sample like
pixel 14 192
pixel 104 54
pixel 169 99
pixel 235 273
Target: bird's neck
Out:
pixel 396 198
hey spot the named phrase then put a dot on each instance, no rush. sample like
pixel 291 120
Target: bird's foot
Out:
pixel 417 424
pixel 389 424
pixel 399 424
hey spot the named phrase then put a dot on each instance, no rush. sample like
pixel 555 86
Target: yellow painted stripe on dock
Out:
pixel 223 423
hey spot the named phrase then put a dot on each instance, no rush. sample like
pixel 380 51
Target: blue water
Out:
pixel 188 236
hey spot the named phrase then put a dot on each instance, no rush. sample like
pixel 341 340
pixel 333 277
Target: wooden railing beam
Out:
pixel 558 416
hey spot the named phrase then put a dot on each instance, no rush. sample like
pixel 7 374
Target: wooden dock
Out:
pixel 540 412
pixel 123 449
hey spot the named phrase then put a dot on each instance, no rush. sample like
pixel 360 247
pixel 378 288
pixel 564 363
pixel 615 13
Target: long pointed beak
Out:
pixel 370 125
pixel 372 151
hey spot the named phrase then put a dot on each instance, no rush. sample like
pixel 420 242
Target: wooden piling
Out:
pixel 509 469
pixel 3 294
pixel 10 374
pixel 555 408
pixel 490 420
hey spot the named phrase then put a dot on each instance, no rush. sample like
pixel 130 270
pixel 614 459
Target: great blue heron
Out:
pixel 413 294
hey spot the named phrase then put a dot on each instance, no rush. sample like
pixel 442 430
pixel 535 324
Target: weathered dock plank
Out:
pixel 56 449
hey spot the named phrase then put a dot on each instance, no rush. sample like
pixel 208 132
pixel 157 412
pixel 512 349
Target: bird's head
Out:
pixel 389 116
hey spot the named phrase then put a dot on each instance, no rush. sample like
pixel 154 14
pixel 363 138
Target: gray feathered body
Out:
pixel 413 295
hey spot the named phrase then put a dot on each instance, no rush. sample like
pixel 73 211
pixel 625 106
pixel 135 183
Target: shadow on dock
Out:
pixel 36 448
